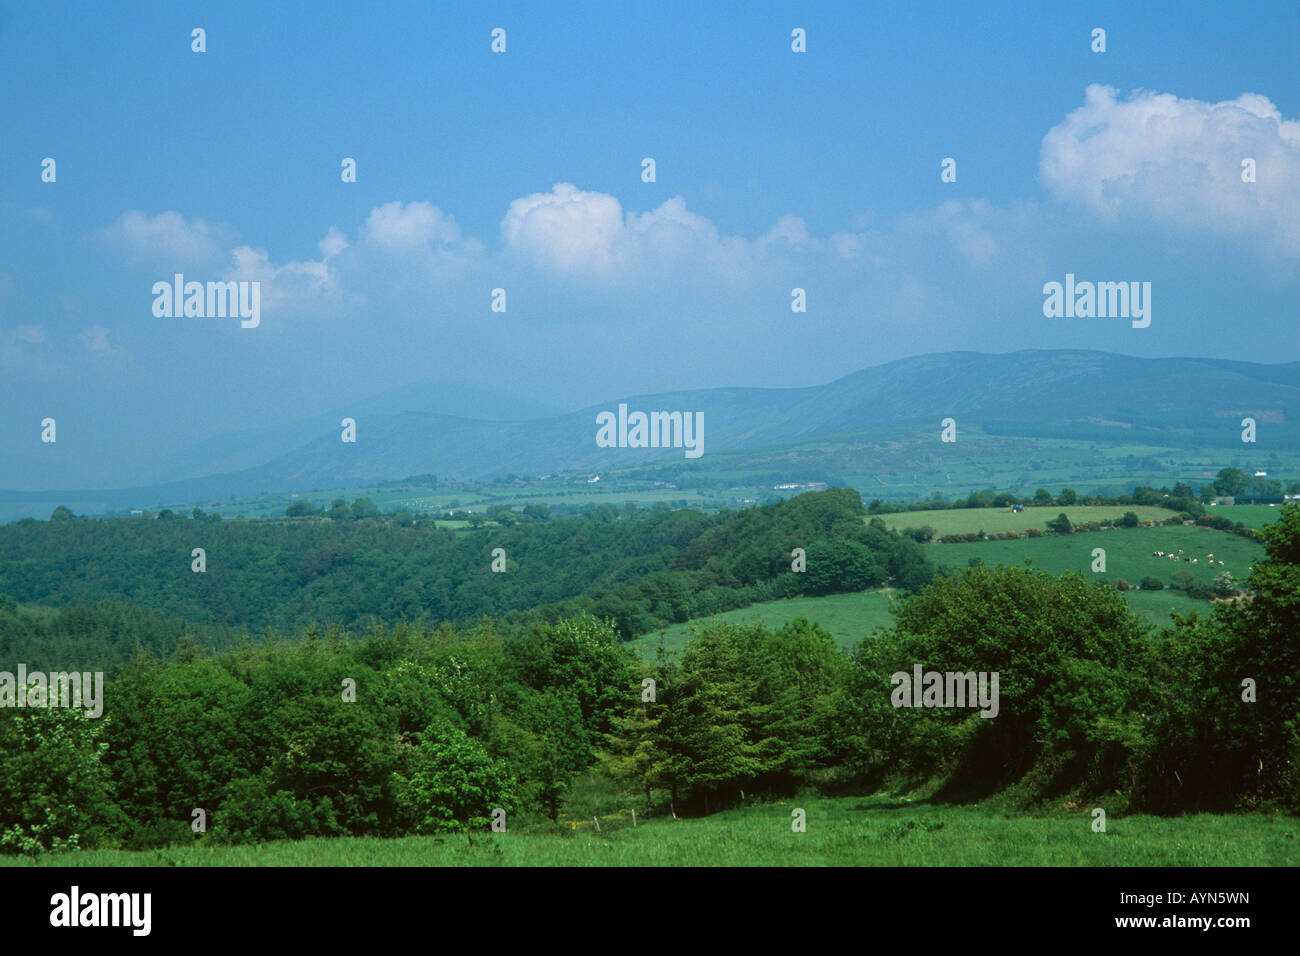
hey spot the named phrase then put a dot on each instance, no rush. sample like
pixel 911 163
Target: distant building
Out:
pixel 137 513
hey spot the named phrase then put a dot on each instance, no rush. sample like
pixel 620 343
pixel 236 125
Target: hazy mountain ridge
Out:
pixel 1029 394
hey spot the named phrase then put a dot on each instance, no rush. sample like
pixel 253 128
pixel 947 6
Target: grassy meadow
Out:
pixel 994 520
pixel 852 617
pixel 1252 516
pixel 841 831
pixel 1128 552
pixel 848 617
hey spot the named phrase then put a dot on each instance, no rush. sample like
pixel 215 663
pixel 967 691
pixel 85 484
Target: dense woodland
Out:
pixel 640 568
pixel 452 720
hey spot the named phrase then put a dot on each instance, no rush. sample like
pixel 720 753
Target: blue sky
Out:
pixel 522 171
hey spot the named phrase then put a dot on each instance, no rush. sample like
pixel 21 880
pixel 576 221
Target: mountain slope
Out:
pixel 1093 396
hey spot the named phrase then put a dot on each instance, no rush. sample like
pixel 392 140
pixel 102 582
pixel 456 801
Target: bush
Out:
pixel 1224 585
pixel 1151 583
pixel 451 783
pixel 1060 524
pixel 51 771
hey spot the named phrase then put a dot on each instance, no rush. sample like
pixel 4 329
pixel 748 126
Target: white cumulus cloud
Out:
pixel 568 228
pixel 1179 161
pixel 576 232
pixel 413 224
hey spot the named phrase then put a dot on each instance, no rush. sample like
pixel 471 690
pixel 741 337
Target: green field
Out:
pixel 841 831
pixel 848 617
pixel 1156 606
pixel 851 617
pixel 1252 516
pixel 1128 552
pixel 992 520
pixel 479 496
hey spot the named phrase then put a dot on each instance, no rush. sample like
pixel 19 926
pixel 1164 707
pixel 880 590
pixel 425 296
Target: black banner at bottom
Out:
pixel 337 906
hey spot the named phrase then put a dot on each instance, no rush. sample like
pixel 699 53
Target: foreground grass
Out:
pixel 841 831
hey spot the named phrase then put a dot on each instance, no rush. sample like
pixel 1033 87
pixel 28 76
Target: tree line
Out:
pixel 1182 497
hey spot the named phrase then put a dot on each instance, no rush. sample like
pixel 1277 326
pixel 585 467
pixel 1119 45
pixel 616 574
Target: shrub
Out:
pixel 451 783
pixel 1224 585
pixel 51 770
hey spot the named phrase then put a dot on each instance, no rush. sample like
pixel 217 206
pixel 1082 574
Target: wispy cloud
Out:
pixel 95 339
pixel 167 239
